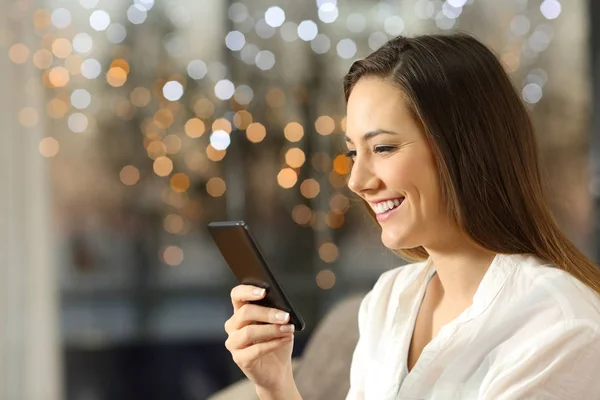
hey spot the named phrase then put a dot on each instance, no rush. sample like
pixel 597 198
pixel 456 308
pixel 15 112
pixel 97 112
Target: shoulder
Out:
pixel 542 283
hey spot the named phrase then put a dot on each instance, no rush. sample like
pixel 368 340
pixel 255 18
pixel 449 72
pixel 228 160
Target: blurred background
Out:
pixel 129 125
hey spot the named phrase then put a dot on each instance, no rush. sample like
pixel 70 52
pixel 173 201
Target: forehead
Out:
pixel 375 104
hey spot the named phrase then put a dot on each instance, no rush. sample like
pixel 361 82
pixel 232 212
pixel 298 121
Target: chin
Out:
pixel 397 239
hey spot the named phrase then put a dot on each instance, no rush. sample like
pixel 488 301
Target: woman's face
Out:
pixel 394 169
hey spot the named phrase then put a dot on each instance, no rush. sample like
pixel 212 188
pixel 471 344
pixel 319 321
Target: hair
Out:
pixel 483 143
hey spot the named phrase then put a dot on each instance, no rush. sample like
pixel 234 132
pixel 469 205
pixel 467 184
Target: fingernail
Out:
pixel 287 328
pixel 258 292
pixel 281 316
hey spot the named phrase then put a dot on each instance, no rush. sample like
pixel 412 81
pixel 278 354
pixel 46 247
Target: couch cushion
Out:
pixel 324 373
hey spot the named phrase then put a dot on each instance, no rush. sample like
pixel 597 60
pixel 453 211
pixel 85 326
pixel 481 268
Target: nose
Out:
pixel 362 178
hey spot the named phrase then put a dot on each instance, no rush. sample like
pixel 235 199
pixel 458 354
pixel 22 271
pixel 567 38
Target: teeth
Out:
pixel 384 206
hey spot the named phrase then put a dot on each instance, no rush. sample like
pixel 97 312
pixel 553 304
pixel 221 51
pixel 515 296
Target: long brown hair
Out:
pixel 484 145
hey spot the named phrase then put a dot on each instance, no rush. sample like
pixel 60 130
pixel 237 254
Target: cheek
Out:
pixel 398 174
pixel 414 176
pixel 407 174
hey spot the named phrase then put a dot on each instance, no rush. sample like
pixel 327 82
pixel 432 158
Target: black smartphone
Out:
pixel 242 254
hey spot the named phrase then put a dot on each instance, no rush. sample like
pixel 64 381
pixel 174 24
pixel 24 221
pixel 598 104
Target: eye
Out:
pixel 383 149
pixel 351 154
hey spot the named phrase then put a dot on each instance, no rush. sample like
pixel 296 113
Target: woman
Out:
pixel 499 303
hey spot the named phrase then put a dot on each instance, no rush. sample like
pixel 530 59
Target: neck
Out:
pixel 460 267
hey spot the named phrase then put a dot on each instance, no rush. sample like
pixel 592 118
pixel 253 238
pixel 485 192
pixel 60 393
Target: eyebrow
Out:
pixel 372 134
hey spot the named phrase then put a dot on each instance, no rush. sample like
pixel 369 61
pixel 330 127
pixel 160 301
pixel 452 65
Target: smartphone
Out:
pixel 249 266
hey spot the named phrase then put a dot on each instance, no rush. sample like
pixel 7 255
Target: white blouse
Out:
pixel 532 332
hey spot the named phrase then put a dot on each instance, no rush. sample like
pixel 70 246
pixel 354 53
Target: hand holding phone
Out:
pixel 261 329
pixel 260 340
pixel 249 266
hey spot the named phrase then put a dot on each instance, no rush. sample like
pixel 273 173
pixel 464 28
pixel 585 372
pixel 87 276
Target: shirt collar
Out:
pixel 500 269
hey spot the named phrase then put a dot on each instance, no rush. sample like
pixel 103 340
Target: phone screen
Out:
pixel 247 263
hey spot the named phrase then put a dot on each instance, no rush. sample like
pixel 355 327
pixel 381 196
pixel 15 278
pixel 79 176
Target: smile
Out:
pixel 386 206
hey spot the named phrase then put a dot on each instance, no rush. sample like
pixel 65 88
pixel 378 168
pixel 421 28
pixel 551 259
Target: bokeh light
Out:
pixel 341 164
pixel 91 68
pixel 197 69
pixel 216 187
pixel 550 9
pixel 224 89
pixel 194 128
pixel 116 33
pixel 129 175
pixel 59 77
pixel 48 147
pixel 301 214
pixel 287 178
pixel 235 40
pixel 156 149
pixel 57 108
pixel 242 119
pixel 275 16
pixel 339 203
pixel 62 48
pixel 310 188
pixel 214 154
pixel 256 132
pixel 174 223
pixel 328 13
pixel 18 53
pixel 265 60
pixel 99 20
pixel 334 220
pixel 140 96
pixel 61 18
pixel 173 256
pixel 180 182
pixel 172 143
pixel 163 166
pixel 325 125
pixel 325 279
pixel 293 132
pixel 220 140
pixel 346 48
pixel 137 14
pixel 81 99
pixel 173 90
pixel 307 30
pixel 42 59
pixel 78 122
pixel 295 157
pixel 328 252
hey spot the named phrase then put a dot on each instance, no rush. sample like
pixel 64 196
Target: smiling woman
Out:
pixel 500 304
pixel 445 157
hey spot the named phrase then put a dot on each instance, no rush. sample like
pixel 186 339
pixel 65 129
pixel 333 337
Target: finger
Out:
pixel 241 294
pixel 246 358
pixel 252 314
pixel 253 334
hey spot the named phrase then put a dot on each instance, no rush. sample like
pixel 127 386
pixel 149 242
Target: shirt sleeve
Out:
pixel 561 362
pixel 359 358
